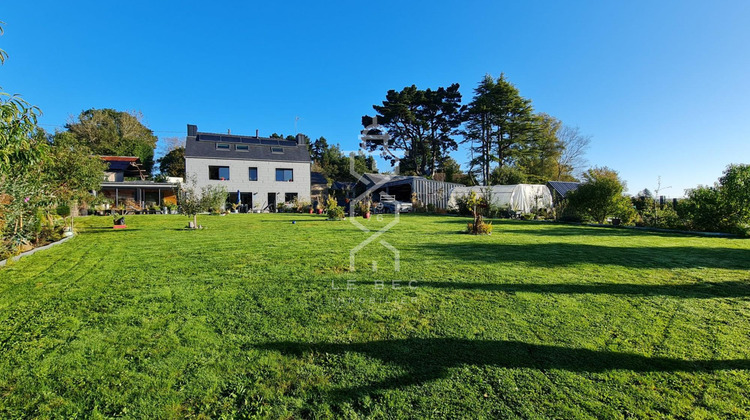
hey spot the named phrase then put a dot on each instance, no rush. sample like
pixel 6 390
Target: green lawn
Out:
pixel 252 317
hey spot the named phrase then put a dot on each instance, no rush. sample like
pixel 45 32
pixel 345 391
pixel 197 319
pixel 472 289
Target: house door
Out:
pixel 271 202
pixel 247 201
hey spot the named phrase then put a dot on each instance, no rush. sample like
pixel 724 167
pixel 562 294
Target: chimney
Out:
pixel 256 133
pixel 192 130
pixel 301 139
pixel 229 131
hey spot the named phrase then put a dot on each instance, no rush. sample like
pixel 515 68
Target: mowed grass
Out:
pixel 256 316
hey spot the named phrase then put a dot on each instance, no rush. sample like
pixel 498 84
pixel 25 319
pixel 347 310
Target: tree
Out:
pixel 538 161
pixel 72 172
pixel 600 195
pixel 725 207
pixel 451 169
pixel 421 123
pixel 735 193
pixel 572 158
pixel 499 125
pixel 111 132
pixel 507 175
pixel 334 164
pixel 191 200
pixel 20 143
pixel 23 149
pixel 173 163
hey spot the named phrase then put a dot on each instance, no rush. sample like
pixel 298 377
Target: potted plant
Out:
pixel 318 208
pixel 234 207
pixel 364 207
pixel 118 221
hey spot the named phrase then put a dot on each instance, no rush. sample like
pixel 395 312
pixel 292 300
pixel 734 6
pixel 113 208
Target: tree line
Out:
pixel 508 141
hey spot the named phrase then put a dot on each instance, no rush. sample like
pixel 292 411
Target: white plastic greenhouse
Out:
pixel 524 198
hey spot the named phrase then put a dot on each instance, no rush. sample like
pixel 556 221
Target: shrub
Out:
pixel 334 211
pixel 214 198
pixel 482 228
pixel 600 196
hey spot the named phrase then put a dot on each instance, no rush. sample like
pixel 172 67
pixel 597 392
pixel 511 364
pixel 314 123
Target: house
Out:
pixel 126 186
pixel 263 171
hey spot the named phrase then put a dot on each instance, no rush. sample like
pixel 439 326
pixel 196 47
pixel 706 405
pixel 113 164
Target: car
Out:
pixel 392 206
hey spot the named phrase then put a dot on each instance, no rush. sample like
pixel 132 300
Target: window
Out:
pixel 253 174
pixel 242 147
pixel 277 150
pixel 219 173
pixel 290 197
pixel 284 175
pixel 222 146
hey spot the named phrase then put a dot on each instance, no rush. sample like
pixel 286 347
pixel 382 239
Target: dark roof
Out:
pixel 138 184
pixel 392 180
pixel 318 178
pixel 118 166
pixel 562 187
pixel 339 185
pixel 130 165
pixel 203 145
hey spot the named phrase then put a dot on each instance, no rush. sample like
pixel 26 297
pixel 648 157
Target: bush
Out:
pixel 214 198
pixel 624 211
pixel 482 228
pixel 334 211
pixel 600 196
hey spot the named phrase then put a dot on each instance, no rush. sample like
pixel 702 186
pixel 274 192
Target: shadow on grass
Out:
pixel 547 228
pixel 708 290
pixel 565 254
pixel 88 231
pixel 425 359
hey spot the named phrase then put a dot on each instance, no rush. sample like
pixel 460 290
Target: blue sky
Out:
pixel 662 87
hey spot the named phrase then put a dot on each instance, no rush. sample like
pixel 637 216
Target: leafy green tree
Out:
pixel 507 175
pixel 23 149
pixel 725 207
pixel 539 159
pixel 192 201
pixel 173 163
pixel 21 145
pixel 421 124
pixel 499 125
pixel 735 193
pixel 600 195
pixel 334 164
pixel 72 172
pixel 111 132
pixel 451 169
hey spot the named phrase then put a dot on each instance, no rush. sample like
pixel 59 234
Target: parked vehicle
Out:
pixel 402 206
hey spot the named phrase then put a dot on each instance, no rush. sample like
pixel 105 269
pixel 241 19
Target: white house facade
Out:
pixel 264 171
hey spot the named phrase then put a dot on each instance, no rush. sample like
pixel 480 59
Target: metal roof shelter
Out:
pixel 561 188
pixel 428 191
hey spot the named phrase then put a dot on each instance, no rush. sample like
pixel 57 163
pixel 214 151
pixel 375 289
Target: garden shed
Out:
pixel 523 198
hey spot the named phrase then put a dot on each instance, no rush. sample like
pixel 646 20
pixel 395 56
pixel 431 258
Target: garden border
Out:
pixel 35 250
